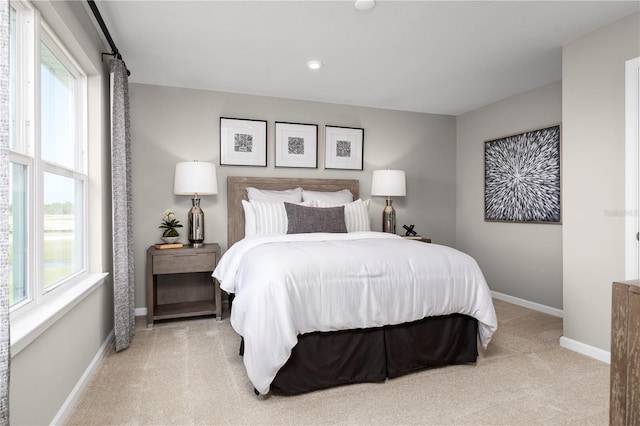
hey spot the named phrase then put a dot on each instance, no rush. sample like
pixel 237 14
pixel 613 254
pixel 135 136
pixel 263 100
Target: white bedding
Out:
pixel 287 285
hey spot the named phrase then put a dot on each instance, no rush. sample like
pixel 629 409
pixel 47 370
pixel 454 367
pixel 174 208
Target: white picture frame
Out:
pixel 243 142
pixel 344 148
pixel 296 145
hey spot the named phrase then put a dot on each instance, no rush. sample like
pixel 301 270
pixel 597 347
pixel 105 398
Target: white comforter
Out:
pixel 287 285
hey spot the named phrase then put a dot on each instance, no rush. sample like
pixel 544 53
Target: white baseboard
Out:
pixel 565 342
pixel 72 399
pixel 140 312
pixel 584 349
pixel 527 304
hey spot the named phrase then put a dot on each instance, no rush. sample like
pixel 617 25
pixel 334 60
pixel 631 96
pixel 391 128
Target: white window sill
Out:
pixel 27 327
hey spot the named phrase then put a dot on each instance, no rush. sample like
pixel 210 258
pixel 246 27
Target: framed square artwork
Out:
pixel 522 177
pixel 243 142
pixel 296 145
pixel 343 148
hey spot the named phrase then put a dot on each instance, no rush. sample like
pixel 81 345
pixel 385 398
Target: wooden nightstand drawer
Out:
pixel 182 263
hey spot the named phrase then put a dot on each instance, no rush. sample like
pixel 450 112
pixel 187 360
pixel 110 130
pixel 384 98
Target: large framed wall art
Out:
pixel 522 177
pixel 296 145
pixel 243 142
pixel 343 148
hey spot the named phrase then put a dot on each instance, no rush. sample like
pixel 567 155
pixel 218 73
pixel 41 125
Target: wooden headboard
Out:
pixel 236 192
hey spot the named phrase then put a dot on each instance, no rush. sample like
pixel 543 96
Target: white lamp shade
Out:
pixel 194 177
pixel 388 183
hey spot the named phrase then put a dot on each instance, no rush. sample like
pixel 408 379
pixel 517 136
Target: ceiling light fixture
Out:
pixel 365 4
pixel 314 65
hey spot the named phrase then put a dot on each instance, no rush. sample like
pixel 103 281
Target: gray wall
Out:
pixel 171 125
pixel 520 260
pixel 44 373
pixel 593 151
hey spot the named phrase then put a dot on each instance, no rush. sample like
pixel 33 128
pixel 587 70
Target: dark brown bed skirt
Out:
pixel 321 360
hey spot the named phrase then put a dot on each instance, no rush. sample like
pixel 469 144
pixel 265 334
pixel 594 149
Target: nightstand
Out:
pixel 416 238
pixel 179 283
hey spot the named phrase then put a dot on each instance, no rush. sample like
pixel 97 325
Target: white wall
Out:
pixel 520 260
pixel 593 179
pixel 171 124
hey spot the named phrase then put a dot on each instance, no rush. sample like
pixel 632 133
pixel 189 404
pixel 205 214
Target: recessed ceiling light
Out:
pixel 365 4
pixel 314 65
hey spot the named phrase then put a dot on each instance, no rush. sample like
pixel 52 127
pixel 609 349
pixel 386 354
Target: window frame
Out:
pixel 31 31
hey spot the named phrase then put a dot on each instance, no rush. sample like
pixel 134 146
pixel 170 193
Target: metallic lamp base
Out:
pixel 196 224
pixel 389 218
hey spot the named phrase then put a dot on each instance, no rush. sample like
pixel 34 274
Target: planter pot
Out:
pixel 170 240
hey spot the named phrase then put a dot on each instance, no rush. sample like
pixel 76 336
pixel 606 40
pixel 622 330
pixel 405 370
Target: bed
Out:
pixel 311 326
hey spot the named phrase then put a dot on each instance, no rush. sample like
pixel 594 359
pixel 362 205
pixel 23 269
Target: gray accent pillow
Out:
pixel 302 220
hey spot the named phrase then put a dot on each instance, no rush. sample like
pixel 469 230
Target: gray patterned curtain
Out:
pixel 123 283
pixel 5 356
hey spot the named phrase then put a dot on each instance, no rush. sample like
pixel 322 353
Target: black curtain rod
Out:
pixel 105 31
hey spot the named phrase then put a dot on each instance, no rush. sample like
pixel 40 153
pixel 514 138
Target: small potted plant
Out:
pixel 169 224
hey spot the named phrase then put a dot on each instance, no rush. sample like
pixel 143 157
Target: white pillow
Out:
pixel 249 219
pixel 271 218
pixel 356 214
pixel 288 195
pixel 343 196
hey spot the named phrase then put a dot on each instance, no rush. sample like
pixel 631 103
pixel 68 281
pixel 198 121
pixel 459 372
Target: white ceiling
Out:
pixel 445 57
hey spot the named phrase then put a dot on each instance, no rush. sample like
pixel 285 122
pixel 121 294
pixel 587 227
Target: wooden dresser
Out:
pixel 624 408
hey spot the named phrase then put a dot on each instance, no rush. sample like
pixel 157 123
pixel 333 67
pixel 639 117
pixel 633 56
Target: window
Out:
pixel 17 234
pixel 48 162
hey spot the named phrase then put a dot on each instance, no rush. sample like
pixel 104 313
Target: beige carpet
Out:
pixel 189 372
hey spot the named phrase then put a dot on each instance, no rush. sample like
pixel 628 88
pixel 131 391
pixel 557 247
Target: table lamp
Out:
pixel 388 183
pixel 195 178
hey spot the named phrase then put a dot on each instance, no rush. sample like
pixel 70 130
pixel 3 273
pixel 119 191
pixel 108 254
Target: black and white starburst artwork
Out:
pixel 522 177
